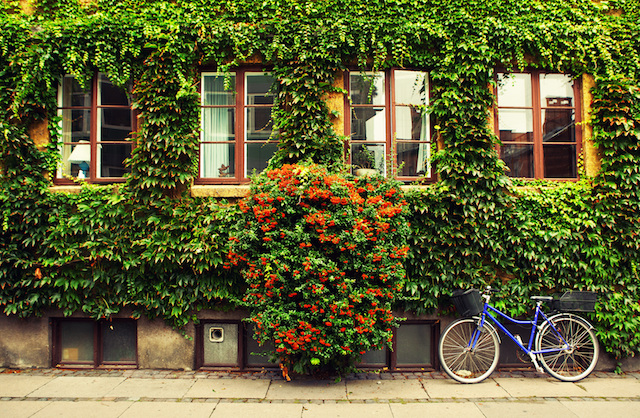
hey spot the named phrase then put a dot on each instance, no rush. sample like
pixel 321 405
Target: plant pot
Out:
pixel 366 172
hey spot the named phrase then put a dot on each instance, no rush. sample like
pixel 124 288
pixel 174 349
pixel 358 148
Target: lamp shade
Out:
pixel 81 153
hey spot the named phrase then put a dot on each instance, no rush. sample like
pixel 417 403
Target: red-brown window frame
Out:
pixel 56 348
pixel 537 109
pixel 93 134
pixel 239 126
pixel 390 106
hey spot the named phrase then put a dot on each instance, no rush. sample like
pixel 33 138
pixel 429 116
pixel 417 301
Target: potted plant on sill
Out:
pixel 365 163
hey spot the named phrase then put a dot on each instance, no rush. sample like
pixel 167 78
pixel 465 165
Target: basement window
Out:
pixel 88 343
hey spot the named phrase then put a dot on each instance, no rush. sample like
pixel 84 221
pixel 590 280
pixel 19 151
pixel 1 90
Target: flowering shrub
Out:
pixel 322 255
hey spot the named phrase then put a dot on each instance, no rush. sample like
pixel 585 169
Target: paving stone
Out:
pixel 77 386
pixel 169 410
pixel 385 389
pixel 152 388
pixel 347 411
pixel 610 387
pixel 521 387
pixel 436 409
pixel 21 409
pixel 440 388
pixel 524 409
pixel 12 385
pixel 307 389
pixel 228 388
pixel 82 409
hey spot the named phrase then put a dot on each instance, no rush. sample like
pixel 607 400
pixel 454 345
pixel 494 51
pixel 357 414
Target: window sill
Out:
pixel 220 191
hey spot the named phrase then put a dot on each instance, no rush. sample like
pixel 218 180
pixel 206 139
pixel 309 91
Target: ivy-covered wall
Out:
pixel 148 245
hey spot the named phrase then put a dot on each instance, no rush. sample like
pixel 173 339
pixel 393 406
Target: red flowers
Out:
pixel 321 254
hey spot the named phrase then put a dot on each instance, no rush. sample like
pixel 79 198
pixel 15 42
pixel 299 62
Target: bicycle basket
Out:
pixel 467 302
pixel 575 302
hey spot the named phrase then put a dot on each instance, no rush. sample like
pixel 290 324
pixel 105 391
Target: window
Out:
pixel 96 122
pixel 536 123
pixel 84 342
pixel 229 344
pixel 413 348
pixel 389 123
pixel 236 125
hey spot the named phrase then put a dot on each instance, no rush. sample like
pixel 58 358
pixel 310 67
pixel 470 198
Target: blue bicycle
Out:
pixel 563 344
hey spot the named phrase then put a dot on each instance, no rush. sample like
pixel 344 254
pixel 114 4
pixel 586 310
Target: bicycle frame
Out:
pixel 488 309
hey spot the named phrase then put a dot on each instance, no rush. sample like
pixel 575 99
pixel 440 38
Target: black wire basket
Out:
pixel 467 302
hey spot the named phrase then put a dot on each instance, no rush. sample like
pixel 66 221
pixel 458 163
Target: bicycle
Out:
pixel 564 344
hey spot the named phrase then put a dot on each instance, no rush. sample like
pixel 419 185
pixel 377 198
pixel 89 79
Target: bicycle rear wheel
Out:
pixel 462 363
pixel 576 362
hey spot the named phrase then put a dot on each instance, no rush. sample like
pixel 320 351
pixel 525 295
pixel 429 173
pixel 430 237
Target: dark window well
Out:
pixel 84 342
pixel 231 345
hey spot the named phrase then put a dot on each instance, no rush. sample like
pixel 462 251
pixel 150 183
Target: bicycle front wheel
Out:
pixel 576 361
pixel 459 360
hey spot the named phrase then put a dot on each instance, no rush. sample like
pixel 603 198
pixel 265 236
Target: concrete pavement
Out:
pixel 161 393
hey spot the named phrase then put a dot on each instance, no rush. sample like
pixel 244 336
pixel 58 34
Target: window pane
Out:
pixel 258 89
pixel 560 161
pixel 367 88
pixel 413 344
pixel 368 124
pixel 220 344
pixel 411 124
pixel 258 156
pixel 558 125
pixel 119 341
pixel 519 159
pixel 410 87
pixel 73 94
pixel 111 159
pixel 115 124
pixel 259 123
pixel 76 158
pixel 374 358
pixel 217 160
pixel 214 92
pixel 514 90
pixel 218 124
pixel 515 125
pixel 76 125
pixel 110 94
pixel 254 351
pixel 76 341
pixel 413 159
pixel 368 156
pixel 556 86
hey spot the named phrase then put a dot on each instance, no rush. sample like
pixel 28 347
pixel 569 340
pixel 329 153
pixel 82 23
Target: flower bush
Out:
pixel 322 255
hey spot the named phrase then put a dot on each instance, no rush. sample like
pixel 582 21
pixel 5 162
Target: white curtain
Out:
pixel 217 126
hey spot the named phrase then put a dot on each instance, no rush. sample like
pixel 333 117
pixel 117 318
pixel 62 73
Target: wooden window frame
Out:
pixel 390 108
pixel 94 112
pixel 538 110
pixel 391 357
pixel 56 349
pixel 242 362
pixel 241 106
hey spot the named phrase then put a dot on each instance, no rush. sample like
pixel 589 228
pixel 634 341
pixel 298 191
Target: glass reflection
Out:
pixel 519 159
pixel 367 88
pixel 560 161
pixel 368 124
pixel 516 125
pixel 514 90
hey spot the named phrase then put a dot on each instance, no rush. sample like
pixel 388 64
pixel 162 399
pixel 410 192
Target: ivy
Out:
pixel 148 246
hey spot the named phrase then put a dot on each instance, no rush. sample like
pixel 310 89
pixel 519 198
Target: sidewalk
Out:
pixel 161 393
